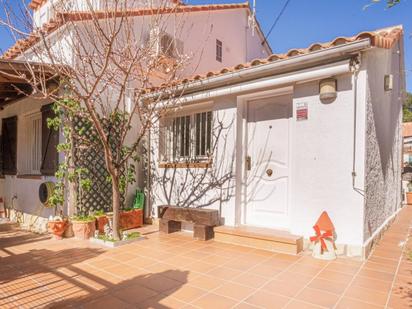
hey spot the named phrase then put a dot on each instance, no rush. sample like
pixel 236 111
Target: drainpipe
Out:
pixel 355 67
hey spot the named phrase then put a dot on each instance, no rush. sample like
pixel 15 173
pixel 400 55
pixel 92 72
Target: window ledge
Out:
pixel 29 176
pixel 205 164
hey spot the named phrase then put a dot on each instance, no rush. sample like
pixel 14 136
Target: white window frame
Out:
pixel 169 143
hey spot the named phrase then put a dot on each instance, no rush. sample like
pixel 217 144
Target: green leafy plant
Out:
pixel 130 236
pixel 99 213
pixel 83 218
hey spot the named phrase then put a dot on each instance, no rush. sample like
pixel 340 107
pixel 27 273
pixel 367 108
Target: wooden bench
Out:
pixel 203 220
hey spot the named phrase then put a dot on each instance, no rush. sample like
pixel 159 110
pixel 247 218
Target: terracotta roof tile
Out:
pixel 36 4
pixel 383 38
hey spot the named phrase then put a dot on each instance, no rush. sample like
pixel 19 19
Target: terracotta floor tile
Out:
pixel 348 303
pixel 367 295
pixel 305 269
pixel 369 283
pixel 161 301
pixel 234 291
pixel 380 260
pixel 390 268
pixel 296 304
pixel 159 283
pixel 310 261
pixel 396 302
pixel 245 306
pixel 215 259
pixel 251 280
pixel 335 276
pixel 206 282
pixel 279 287
pixel 106 301
pixel 328 286
pixel 242 264
pixel 265 270
pixel 200 267
pixel 267 300
pixel 134 294
pixel 214 301
pixel 344 268
pixel 288 277
pixel 186 293
pixel 223 273
pixel 318 297
pixel 126 272
pixel 140 262
pixel 374 274
pixel 182 276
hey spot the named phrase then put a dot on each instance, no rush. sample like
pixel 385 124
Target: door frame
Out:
pixel 241 150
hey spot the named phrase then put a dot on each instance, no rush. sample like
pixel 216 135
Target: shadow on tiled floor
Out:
pixel 174 271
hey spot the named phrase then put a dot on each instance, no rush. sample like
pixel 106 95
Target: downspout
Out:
pixel 148 210
pixel 355 67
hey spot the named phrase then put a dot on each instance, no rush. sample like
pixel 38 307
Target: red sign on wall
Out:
pixel 301 111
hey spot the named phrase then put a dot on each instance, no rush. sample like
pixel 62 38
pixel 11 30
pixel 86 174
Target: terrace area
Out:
pixel 175 271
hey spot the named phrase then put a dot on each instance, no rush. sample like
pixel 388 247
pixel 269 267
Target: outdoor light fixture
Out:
pixel 328 89
pixel 388 82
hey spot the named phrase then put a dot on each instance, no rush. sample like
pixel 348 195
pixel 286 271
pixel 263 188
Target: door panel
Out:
pixel 268 150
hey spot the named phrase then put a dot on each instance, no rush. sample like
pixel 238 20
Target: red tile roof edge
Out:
pixel 36 4
pixel 24 44
pixel 382 38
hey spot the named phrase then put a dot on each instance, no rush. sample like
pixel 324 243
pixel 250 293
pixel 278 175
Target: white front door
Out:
pixel 267 162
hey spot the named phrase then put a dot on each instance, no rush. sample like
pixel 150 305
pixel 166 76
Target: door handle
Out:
pixel 248 163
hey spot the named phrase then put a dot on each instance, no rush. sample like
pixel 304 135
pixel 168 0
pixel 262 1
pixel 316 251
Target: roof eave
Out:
pixel 273 68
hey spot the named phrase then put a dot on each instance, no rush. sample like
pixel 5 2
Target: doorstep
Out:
pixel 260 238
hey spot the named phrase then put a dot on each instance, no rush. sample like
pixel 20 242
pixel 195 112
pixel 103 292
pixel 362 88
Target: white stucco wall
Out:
pixel 24 188
pixel 383 138
pixel 322 152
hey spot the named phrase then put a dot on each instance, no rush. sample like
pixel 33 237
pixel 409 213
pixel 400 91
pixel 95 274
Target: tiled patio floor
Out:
pixel 175 271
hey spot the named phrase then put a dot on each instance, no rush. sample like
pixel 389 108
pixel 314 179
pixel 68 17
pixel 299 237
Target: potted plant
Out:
pixel 57 226
pixel 101 220
pixel 409 193
pixel 84 226
pixel 131 218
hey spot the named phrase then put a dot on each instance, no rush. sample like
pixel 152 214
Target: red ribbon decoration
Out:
pixel 321 237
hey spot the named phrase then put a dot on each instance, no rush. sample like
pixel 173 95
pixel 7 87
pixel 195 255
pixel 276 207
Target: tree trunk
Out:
pixel 116 207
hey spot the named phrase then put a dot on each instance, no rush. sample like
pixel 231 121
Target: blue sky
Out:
pixel 305 22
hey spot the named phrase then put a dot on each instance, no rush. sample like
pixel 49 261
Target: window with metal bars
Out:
pixel 186 138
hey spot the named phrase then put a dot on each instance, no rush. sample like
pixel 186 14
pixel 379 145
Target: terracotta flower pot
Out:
pixel 409 198
pixel 101 221
pixel 131 219
pixel 83 229
pixel 57 228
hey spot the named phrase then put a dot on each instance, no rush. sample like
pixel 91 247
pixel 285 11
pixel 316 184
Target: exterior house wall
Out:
pixel 198 31
pixel 27 207
pixel 212 188
pixel 383 139
pixel 322 161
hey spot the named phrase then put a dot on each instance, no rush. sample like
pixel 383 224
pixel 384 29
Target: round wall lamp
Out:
pixel 328 90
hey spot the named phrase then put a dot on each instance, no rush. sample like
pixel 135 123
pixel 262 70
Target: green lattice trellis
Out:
pixel 89 155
